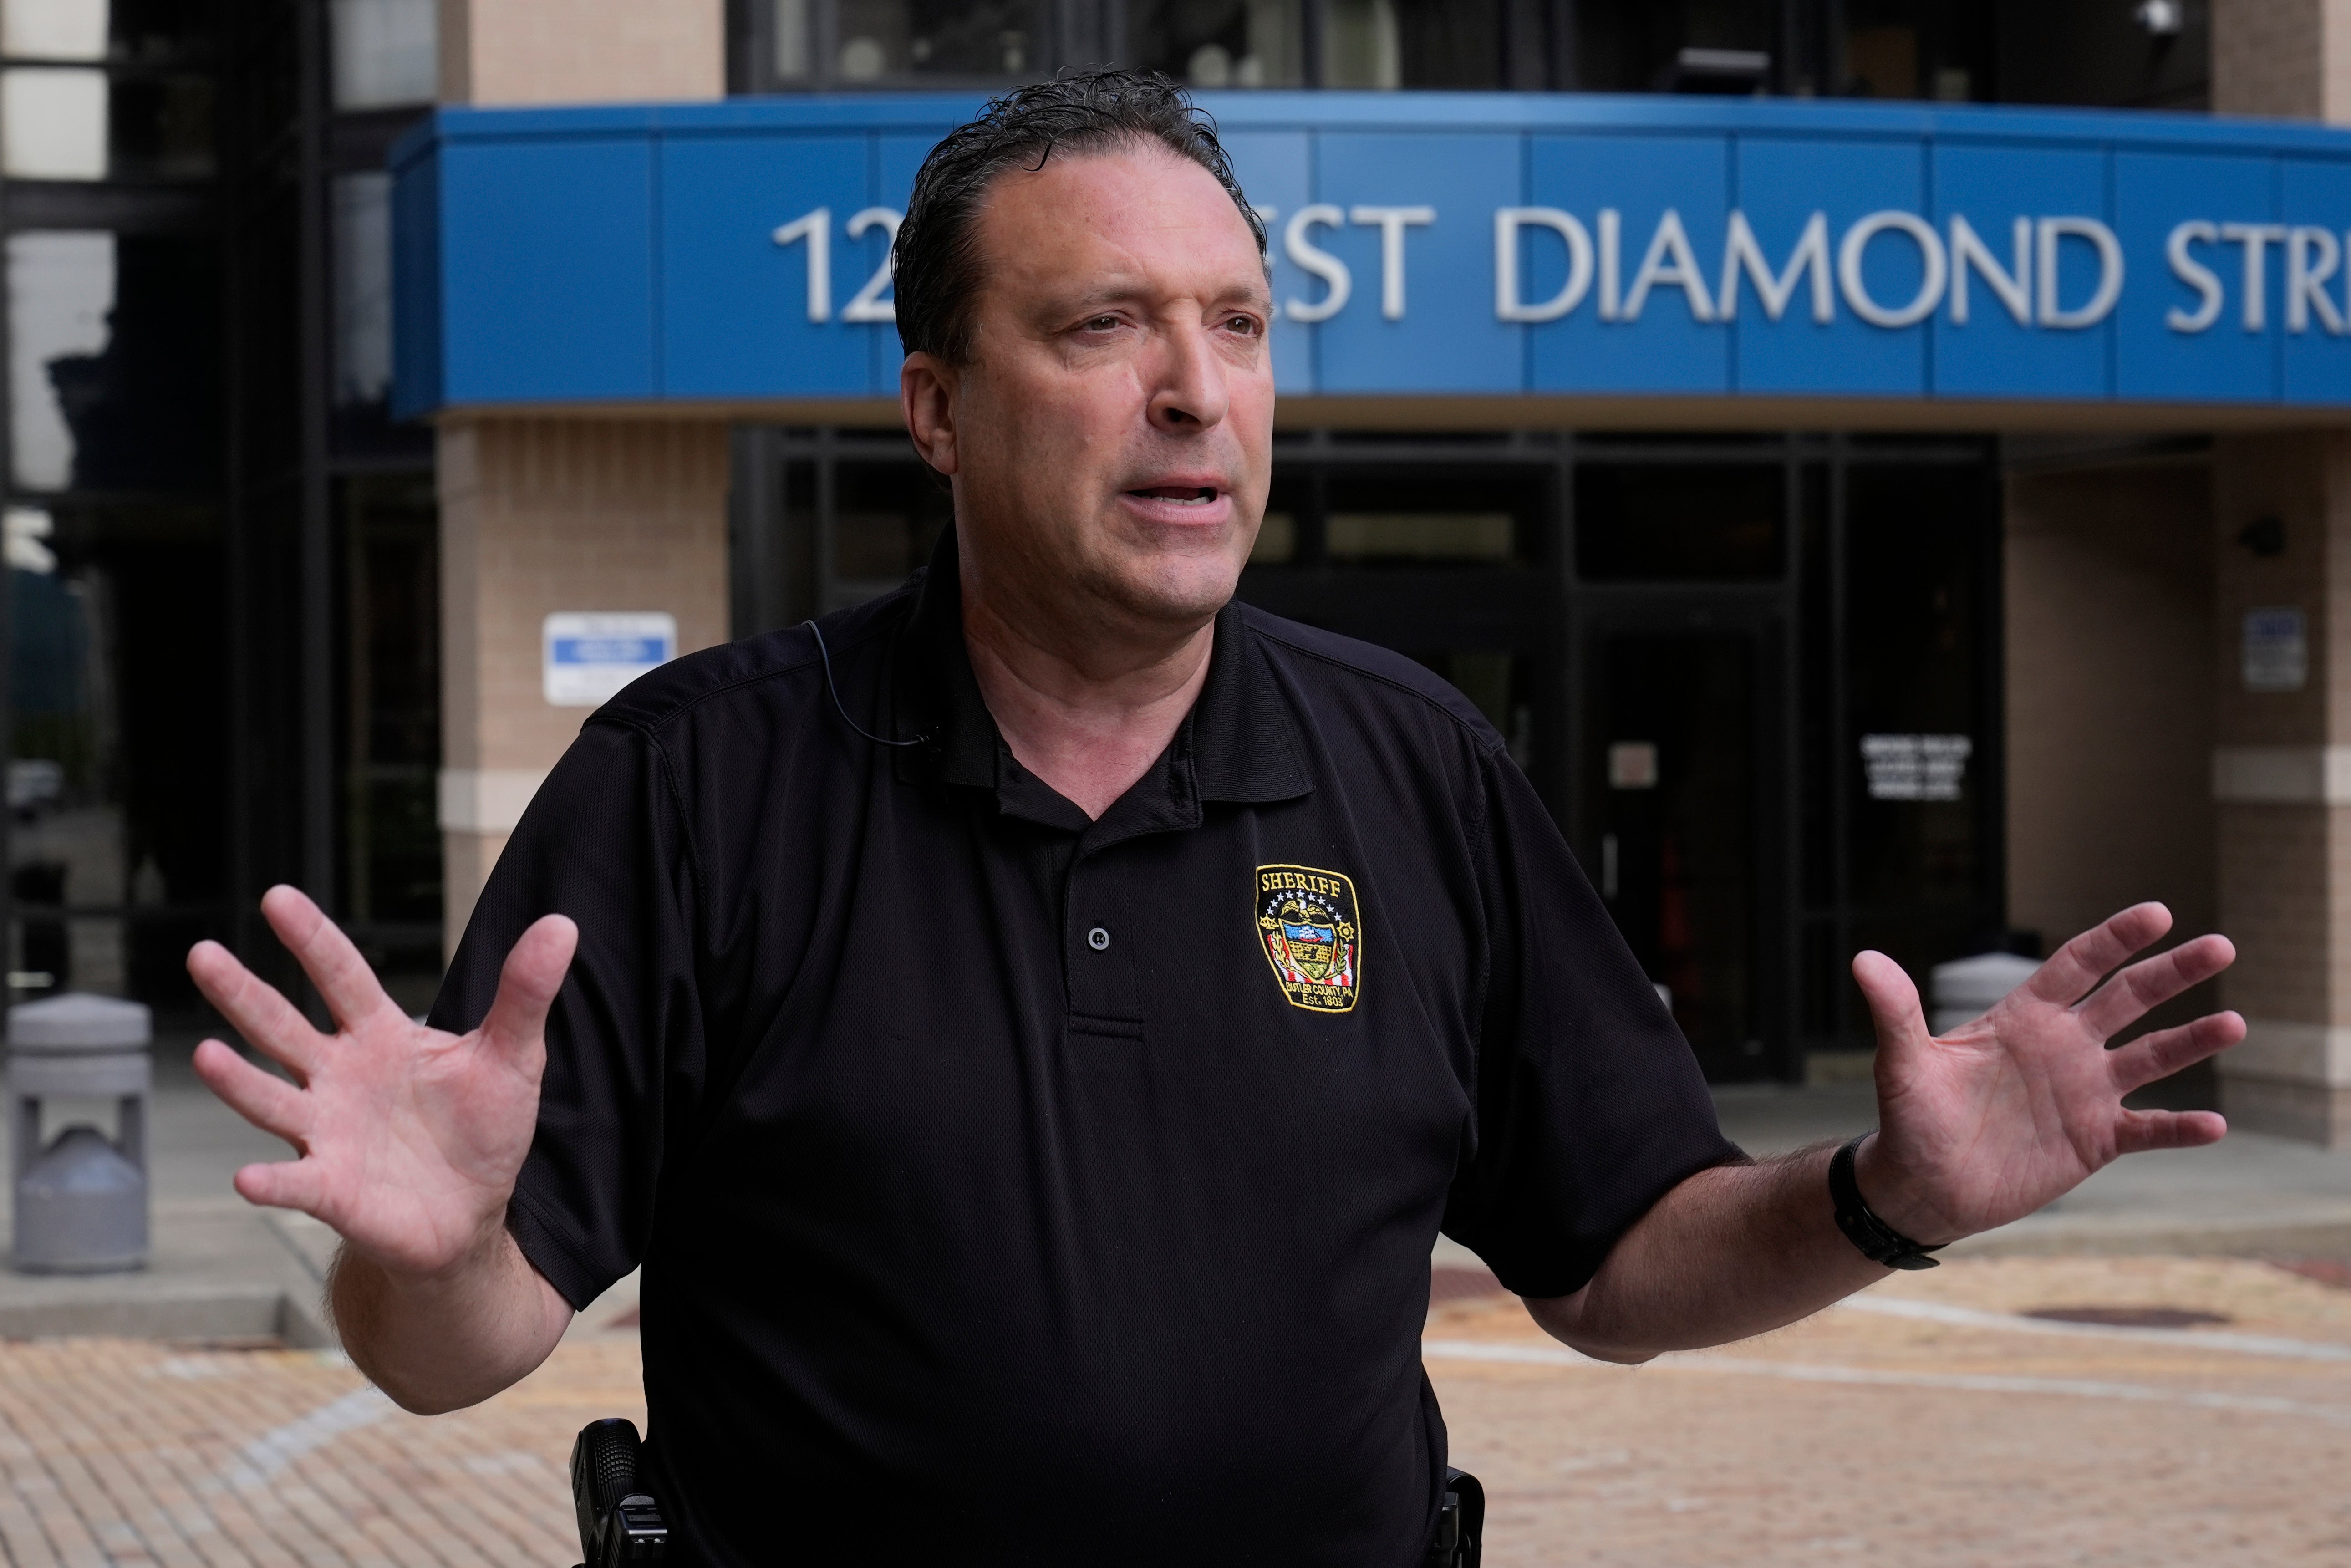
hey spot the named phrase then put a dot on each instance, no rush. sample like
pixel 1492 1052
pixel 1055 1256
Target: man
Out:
pixel 1031 1028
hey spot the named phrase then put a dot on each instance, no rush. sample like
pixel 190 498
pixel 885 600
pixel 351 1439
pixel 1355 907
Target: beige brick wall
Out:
pixel 2286 864
pixel 2284 476
pixel 2283 58
pixel 546 515
pixel 581 51
pixel 2108 613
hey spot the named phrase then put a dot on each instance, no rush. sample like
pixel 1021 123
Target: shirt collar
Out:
pixel 1238 743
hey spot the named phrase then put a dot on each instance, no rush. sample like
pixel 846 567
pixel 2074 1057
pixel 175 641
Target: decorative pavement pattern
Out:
pixel 2148 1411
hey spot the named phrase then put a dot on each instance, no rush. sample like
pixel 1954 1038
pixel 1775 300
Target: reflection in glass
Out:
pixel 1276 540
pixel 1679 522
pixel 384 52
pixel 115 662
pixel 1457 518
pixel 1483 537
pixel 66 843
pixel 113 361
pixel 1412 42
pixel 52 122
pixel 391 841
pixel 1217 43
pixel 886 38
pixel 791 31
pixel 161 127
pixel 361 208
pixel 885 518
pixel 54 29
pixel 60 301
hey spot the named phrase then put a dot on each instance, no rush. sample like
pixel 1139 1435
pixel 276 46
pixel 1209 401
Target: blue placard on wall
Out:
pixel 1427 245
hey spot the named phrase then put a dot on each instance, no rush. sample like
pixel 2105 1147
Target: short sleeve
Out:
pixel 602 842
pixel 1590 1105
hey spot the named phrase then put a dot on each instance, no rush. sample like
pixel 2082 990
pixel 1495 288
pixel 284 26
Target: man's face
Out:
pixel 1113 433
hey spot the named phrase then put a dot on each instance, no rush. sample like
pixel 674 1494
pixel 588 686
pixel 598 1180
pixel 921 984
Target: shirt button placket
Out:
pixel 1101 970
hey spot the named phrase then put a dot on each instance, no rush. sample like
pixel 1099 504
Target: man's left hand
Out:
pixel 2010 1110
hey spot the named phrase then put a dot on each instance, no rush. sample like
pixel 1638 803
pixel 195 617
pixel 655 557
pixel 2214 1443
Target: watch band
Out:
pixel 1879 1242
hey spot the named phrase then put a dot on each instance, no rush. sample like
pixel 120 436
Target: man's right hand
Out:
pixel 409 1139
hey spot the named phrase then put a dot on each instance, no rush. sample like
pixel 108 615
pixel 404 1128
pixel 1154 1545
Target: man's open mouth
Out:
pixel 1183 495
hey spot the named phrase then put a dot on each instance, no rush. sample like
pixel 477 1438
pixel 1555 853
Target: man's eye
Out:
pixel 1247 326
pixel 1100 323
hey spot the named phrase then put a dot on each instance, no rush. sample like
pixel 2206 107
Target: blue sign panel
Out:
pixel 1428 244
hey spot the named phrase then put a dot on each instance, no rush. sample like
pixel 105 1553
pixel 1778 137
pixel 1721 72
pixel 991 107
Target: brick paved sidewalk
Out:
pixel 1931 1426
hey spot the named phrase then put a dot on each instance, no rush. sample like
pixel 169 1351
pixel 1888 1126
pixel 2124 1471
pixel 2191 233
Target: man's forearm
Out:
pixel 452 1339
pixel 1733 1251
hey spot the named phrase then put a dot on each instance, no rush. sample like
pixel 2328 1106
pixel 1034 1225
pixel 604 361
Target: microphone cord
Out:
pixel 826 654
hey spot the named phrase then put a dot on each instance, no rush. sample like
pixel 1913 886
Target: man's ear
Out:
pixel 926 397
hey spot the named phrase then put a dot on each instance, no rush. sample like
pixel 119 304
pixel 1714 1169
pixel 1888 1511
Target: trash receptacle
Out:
pixel 1966 988
pixel 81 1202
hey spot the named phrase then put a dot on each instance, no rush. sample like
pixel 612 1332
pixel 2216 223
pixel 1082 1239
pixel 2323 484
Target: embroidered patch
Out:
pixel 1312 934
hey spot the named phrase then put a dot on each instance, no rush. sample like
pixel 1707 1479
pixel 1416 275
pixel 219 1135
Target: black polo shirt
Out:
pixel 1012 1188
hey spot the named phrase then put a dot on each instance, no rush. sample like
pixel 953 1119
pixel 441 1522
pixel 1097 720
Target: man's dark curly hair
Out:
pixel 937 257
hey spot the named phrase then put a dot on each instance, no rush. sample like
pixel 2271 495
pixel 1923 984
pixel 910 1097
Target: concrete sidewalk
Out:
pixel 224 1271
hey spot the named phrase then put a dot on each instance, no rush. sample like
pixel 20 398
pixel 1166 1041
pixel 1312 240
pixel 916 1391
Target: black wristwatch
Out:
pixel 1879 1242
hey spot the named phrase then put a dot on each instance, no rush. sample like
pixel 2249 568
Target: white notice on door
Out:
pixel 2276 652
pixel 1915 767
pixel 587 656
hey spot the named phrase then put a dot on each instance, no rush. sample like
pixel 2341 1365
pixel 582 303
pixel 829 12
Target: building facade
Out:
pixel 1921 582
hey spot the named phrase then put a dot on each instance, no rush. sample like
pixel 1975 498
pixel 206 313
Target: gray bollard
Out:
pixel 81 1202
pixel 1968 987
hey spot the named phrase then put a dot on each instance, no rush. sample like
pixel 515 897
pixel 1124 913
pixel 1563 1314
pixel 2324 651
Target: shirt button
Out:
pixel 1098 939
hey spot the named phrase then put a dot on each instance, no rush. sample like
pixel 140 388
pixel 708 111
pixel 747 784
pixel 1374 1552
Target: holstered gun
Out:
pixel 618 1523
pixel 1461 1523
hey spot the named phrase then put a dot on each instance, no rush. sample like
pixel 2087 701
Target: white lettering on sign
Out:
pixel 1392 223
pixel 2186 267
pixel 1969 254
pixel 2311 257
pixel 2059 272
pixel 1850 254
pixel 815 228
pixel 1508 222
pixel 1810 256
pixel 1668 261
pixel 1297 242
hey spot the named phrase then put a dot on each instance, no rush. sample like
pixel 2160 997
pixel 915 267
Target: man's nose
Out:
pixel 1191 394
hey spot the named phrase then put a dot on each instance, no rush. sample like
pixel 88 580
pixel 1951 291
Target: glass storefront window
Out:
pixel 115 782
pixel 391 841
pixel 113 345
pixel 793 57
pixel 54 29
pixel 66 122
pixel 1679 522
pixel 882 39
pixel 1412 42
pixel 383 52
pixel 1426 519
pixel 52 122
pixel 125 31
pixel 1217 43
pixel 885 518
pixel 361 205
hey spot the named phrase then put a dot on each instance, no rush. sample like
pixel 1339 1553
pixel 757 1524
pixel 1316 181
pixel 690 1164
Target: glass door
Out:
pixel 1678 771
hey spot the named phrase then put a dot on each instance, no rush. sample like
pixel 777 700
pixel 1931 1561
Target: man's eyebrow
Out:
pixel 1256 292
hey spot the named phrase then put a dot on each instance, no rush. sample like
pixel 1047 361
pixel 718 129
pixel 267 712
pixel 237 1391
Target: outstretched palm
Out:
pixel 1990 1121
pixel 409 1138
